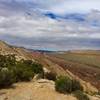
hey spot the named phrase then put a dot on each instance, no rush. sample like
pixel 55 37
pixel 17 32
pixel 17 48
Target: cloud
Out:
pixel 79 6
pixel 24 23
pixel 50 43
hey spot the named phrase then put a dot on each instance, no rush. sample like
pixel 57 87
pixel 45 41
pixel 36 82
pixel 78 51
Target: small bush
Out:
pixel 80 95
pixel 63 84
pixel 25 70
pixel 76 85
pixel 6 78
pixel 23 73
pixel 37 68
pixel 7 60
pixel 66 85
pixel 50 76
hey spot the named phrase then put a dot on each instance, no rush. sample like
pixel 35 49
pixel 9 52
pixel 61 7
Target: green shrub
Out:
pixel 80 95
pixel 76 85
pixel 16 71
pixel 27 62
pixel 50 76
pixel 65 85
pixel 25 70
pixel 23 73
pixel 6 78
pixel 7 60
pixel 37 68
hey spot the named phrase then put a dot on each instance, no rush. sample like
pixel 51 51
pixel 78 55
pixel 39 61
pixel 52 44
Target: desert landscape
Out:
pixel 71 64
pixel 49 49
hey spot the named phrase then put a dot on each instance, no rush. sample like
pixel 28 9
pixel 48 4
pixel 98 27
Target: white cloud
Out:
pixel 79 6
pixel 36 30
pixel 41 26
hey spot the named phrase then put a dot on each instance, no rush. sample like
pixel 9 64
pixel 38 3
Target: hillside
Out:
pixel 84 64
pixel 20 53
pixel 39 89
pixel 36 90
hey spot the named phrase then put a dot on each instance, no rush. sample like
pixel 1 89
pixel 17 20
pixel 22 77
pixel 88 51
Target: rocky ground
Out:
pixel 39 90
pixel 36 90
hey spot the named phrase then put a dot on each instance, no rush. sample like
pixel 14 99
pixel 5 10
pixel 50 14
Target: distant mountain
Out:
pixel 41 51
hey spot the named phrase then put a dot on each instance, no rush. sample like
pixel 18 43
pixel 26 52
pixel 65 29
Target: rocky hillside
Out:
pixel 36 90
pixel 39 89
pixel 20 53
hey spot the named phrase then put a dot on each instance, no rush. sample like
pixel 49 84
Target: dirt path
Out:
pixel 40 90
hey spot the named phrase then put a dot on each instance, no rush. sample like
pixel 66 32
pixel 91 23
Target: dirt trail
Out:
pixel 39 90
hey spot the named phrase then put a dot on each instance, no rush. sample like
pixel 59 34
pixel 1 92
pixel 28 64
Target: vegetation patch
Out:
pixel 12 71
pixel 80 95
pixel 6 78
pixel 65 85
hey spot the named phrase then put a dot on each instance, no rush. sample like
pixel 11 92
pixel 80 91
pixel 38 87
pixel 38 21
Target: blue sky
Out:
pixel 51 24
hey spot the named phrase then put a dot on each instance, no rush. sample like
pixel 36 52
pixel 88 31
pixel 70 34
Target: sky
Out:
pixel 51 24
